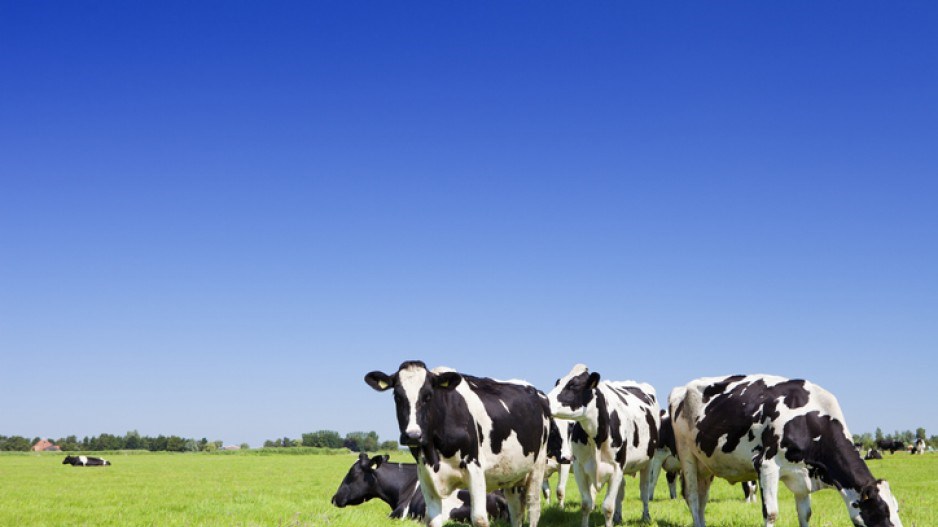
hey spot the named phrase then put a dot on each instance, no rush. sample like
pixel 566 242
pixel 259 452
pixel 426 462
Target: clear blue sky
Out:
pixel 216 218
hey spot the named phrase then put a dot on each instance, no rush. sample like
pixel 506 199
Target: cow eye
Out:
pixel 426 396
pixel 855 505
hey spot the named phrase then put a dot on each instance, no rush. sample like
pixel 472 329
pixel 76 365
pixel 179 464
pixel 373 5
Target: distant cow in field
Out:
pixel 743 427
pixel 471 432
pixel 85 461
pixel 397 485
pixel 873 454
pixel 559 457
pixel 891 446
pixel 615 432
pixel 919 447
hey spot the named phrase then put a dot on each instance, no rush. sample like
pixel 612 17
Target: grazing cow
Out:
pixel 85 461
pixel 559 456
pixel 615 432
pixel 397 485
pixel 873 454
pixel 471 432
pixel 772 428
pixel 890 445
pixel 919 447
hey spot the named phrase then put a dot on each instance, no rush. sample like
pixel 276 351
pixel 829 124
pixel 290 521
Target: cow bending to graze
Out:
pixel 559 457
pixel 471 432
pixel 615 432
pixel 873 454
pixel 918 447
pixel 771 428
pixel 397 485
pixel 891 446
pixel 85 461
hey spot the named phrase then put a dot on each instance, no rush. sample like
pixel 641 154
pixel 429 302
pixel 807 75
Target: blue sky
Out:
pixel 216 218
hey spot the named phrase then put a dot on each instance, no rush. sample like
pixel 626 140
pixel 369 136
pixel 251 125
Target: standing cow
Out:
pixel 771 428
pixel 918 447
pixel 615 432
pixel 471 432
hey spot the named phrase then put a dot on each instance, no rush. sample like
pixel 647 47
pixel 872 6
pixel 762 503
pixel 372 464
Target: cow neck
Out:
pixel 395 484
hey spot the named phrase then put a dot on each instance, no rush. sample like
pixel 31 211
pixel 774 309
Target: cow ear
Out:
pixel 379 381
pixel 377 460
pixel 447 380
pixel 593 380
pixel 362 456
pixel 868 492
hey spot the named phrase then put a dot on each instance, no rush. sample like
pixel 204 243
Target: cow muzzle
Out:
pixel 412 438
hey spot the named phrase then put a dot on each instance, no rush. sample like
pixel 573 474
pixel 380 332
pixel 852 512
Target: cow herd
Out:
pixel 483 447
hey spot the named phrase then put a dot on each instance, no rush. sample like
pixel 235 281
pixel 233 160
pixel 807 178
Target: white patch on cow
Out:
pixel 83 459
pixel 412 380
pixel 505 406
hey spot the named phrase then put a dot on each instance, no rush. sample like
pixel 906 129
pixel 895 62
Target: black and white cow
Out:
pixel 397 485
pixel 559 457
pixel 890 445
pixel 615 432
pixel 471 432
pixel 666 459
pixel 771 428
pixel 873 454
pixel 85 461
pixel 918 447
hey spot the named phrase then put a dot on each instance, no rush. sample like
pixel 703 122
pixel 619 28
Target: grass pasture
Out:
pixel 247 489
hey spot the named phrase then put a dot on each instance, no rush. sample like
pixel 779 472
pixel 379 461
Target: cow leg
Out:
pixel 435 516
pixel 703 491
pixel 768 481
pixel 691 480
pixel 656 462
pixel 612 505
pixel 545 490
pixel 562 483
pixel 672 484
pixel 645 491
pixel 515 507
pixel 587 493
pixel 533 500
pixel 799 483
pixel 477 498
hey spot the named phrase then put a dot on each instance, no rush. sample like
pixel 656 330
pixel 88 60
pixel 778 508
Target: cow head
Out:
pixel 68 460
pixel 415 390
pixel 360 484
pixel 572 394
pixel 874 506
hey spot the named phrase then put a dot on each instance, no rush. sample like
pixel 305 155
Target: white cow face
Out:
pixel 414 389
pixel 571 397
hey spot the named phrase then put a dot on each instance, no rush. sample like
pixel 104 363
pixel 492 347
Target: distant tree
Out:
pixel 175 444
pixel 920 433
pixel 879 435
pixel 323 438
pixel 389 446
pixel 132 440
pixel 245 446
pixel 361 441
pixel 202 444
pixel 15 444
pixel 270 444
pixel 218 443
pixel 209 447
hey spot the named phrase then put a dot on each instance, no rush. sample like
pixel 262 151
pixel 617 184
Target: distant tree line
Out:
pixel 354 441
pixel 130 441
pixel 908 437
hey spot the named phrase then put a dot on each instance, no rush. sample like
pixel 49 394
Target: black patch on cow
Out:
pixel 578 434
pixel 832 456
pixel 576 393
pixel 635 438
pixel 733 413
pixel 602 429
pixel 554 442
pixel 679 409
pixel 652 433
pixel 527 411
pixel 640 394
pixel 666 436
pixel 615 429
pixel 751 435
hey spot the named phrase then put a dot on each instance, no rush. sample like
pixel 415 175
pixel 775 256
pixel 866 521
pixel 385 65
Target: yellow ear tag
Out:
pixel 444 384
pixel 383 384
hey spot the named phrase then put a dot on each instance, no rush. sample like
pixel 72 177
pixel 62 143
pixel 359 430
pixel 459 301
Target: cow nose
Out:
pixel 411 438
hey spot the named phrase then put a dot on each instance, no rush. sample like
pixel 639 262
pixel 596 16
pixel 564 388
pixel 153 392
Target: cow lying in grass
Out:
pixel 397 485
pixel 85 461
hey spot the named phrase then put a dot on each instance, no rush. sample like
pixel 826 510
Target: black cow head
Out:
pixel 875 506
pixel 69 460
pixel 571 396
pixel 415 389
pixel 360 483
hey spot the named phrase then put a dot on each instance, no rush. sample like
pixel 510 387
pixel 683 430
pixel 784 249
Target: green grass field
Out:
pixel 247 489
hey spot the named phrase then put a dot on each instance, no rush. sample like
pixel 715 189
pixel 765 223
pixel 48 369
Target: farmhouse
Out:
pixel 44 445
